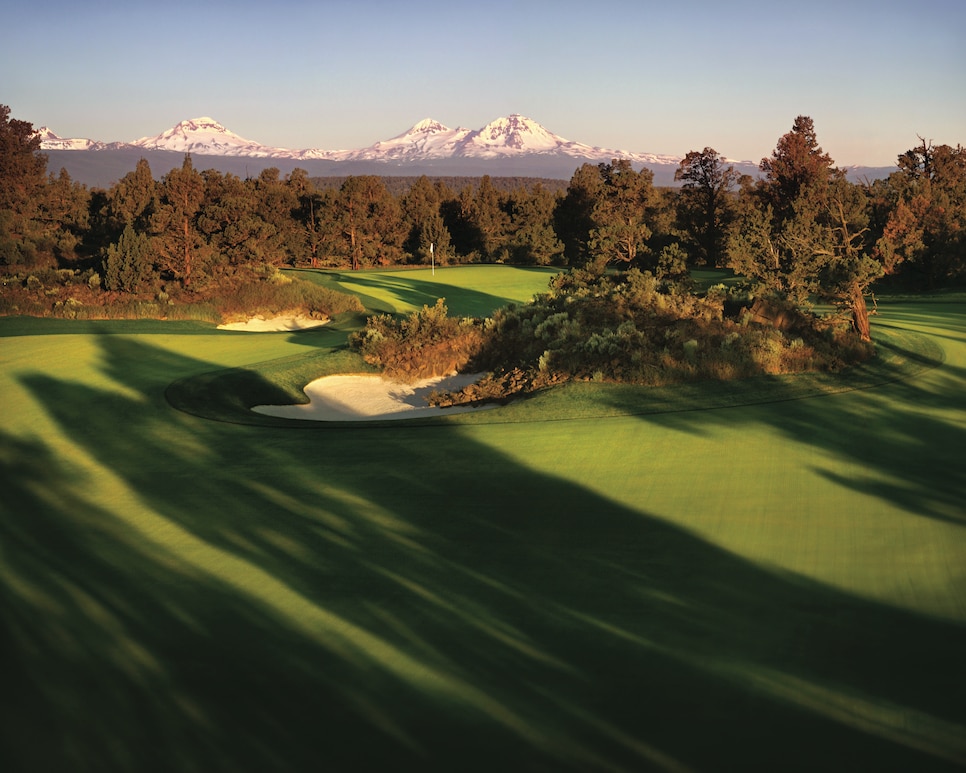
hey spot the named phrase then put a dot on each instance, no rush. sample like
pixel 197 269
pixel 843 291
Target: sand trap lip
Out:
pixel 370 398
pixel 274 324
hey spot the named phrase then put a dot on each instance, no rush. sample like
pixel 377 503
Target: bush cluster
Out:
pixel 75 294
pixel 635 328
pixel 427 343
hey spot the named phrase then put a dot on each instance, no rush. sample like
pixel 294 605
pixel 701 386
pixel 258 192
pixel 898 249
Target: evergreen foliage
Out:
pixel 808 237
pixel 705 207
pixel 127 266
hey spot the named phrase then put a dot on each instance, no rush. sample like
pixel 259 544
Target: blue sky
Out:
pixel 661 77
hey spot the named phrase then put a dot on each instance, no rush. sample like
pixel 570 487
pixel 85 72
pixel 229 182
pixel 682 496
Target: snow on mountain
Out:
pixel 506 138
pixel 205 136
pixel 428 139
pixel 50 141
pixel 516 134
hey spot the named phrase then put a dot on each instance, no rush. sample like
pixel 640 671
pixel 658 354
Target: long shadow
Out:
pixel 900 436
pixel 416 293
pixel 29 326
pixel 256 599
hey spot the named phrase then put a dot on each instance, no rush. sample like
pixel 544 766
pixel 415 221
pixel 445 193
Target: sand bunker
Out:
pixel 274 324
pixel 370 398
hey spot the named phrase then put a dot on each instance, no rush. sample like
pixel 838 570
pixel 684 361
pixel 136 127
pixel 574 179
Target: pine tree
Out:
pixel 22 177
pixel 370 222
pixel 427 238
pixel 533 239
pixel 133 199
pixel 179 244
pixel 574 214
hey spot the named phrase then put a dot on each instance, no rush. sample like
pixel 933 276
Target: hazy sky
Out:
pixel 660 77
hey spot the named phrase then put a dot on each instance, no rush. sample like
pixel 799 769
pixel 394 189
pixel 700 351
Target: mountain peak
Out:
pixel 51 141
pixel 426 126
pixel 202 135
pixel 513 134
pixel 203 124
pixel 205 119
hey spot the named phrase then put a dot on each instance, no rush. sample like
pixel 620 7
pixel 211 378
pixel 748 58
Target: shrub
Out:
pixel 127 263
pixel 635 327
pixel 426 343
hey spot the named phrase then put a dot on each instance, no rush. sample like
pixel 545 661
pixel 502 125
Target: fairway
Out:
pixel 776 583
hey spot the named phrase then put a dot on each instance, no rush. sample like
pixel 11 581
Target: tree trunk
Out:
pixel 187 256
pixel 860 313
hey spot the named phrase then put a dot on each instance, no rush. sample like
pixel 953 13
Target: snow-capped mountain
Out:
pixel 205 136
pixel 428 139
pixel 50 141
pixel 505 138
pixel 516 134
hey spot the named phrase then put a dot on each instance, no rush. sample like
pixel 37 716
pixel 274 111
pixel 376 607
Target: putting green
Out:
pixel 474 290
pixel 764 586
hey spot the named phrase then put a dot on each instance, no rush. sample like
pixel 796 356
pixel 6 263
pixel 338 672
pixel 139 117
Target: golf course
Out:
pixel 763 575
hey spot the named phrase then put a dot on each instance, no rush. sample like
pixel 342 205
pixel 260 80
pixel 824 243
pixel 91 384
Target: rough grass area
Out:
pixel 766 586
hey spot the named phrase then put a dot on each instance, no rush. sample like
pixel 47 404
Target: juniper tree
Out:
pixel 926 225
pixel 703 209
pixel 620 213
pixel 127 263
pixel 808 236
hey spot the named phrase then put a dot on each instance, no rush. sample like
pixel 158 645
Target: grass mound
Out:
pixel 634 328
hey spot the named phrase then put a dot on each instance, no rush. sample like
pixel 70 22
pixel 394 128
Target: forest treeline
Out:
pixel 398 185
pixel 800 229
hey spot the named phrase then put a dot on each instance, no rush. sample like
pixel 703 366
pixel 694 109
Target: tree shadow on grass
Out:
pixel 265 599
pixel 411 293
pixel 895 427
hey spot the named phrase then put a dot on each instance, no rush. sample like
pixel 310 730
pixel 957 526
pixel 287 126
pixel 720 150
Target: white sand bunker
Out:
pixel 369 398
pixel 274 324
